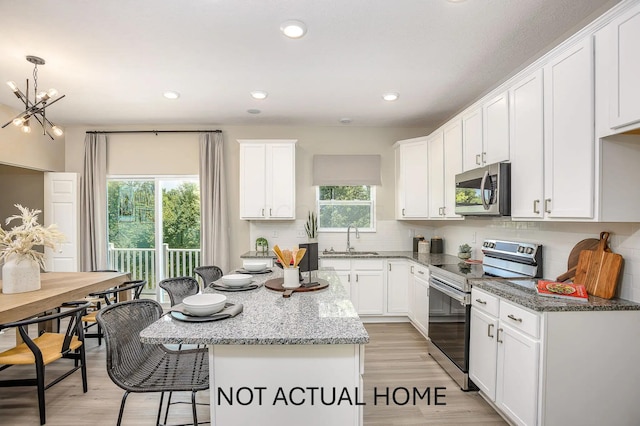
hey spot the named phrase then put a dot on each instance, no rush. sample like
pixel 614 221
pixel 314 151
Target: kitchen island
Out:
pixel 282 361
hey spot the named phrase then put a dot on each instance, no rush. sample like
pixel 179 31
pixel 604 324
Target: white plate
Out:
pixel 204 304
pixel 255 266
pixel 236 280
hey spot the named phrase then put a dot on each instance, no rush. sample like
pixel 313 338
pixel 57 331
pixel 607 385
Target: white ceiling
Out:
pixel 113 59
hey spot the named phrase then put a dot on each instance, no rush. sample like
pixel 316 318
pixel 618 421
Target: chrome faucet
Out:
pixel 349 248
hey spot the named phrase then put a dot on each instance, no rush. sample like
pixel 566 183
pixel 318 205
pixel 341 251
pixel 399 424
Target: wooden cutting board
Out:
pixel 599 270
pixel 572 261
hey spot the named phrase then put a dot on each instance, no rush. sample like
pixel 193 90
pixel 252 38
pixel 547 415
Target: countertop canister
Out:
pixel 437 245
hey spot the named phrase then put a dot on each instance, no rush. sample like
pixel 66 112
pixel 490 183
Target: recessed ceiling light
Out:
pixel 253 111
pixel 259 94
pixel 390 96
pixel 345 120
pixel 170 94
pixel 293 29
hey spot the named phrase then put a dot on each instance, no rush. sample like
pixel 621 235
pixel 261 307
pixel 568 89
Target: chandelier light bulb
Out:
pixel 18 121
pixel 12 85
pixel 26 128
pixel 52 93
pixel 57 131
pixel 42 96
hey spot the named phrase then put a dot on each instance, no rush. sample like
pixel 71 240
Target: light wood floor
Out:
pixel 396 357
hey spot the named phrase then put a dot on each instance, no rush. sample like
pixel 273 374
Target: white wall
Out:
pixel 31 151
pixel 557 238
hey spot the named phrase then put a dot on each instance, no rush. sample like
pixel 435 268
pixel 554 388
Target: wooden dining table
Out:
pixel 56 289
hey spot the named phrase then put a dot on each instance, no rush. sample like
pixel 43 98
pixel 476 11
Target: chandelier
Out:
pixel 35 109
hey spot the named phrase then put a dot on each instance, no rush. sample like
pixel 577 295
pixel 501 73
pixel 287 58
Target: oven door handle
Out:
pixel 485 202
pixel 463 298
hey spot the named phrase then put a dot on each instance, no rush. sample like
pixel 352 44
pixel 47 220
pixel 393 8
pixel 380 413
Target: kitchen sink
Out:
pixel 351 253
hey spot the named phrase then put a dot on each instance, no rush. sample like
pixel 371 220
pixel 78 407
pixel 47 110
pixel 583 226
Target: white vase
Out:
pixel 20 274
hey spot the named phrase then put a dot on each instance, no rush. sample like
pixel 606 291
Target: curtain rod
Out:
pixel 153 131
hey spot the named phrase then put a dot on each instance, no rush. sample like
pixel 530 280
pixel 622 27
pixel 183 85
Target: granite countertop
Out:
pixel 530 299
pixel 319 317
pixel 425 259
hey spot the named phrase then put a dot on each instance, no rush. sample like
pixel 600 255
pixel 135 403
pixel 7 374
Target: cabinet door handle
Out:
pixel 484 158
pixel 489 326
pixel 356 277
pixel 349 278
pixel 498 338
pixel 536 204
pixel 480 301
pixel 262 212
pixel 402 212
pixel 546 205
pixel 444 211
pixel 389 266
pixel 412 270
pixel 511 317
pixel 478 159
pixel 270 213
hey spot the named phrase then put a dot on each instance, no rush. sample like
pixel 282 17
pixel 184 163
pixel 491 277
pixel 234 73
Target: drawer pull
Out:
pixel 480 301
pixel 412 270
pixel 489 326
pixel 498 338
pixel 420 272
pixel 514 318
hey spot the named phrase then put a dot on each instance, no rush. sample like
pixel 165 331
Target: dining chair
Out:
pixel 108 297
pixel 208 274
pixel 47 348
pixel 179 287
pixel 140 367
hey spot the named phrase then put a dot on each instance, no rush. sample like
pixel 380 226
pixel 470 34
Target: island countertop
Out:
pixel 323 317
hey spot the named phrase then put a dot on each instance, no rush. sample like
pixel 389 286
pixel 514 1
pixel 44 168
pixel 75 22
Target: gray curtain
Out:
pixel 93 204
pixel 214 236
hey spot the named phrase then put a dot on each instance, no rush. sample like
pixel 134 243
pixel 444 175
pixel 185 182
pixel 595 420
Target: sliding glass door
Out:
pixel 154 227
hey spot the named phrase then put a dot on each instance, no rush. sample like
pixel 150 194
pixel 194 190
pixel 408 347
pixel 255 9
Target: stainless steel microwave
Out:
pixel 485 191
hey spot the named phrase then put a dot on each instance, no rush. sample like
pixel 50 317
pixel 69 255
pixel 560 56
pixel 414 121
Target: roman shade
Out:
pixel 346 170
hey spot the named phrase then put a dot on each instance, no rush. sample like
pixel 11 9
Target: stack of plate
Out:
pixel 237 280
pixel 205 304
pixel 255 266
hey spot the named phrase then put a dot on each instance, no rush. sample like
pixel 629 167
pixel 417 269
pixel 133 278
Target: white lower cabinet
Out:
pixel 504 355
pixel 397 287
pixel 419 297
pixel 364 281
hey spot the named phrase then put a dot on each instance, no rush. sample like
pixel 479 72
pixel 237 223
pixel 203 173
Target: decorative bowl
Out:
pixel 236 280
pixel 204 304
pixel 255 266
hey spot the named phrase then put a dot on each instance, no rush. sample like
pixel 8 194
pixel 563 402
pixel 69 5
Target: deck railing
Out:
pixel 141 263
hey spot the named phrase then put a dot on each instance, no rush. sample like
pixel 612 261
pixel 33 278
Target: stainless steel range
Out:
pixel 450 299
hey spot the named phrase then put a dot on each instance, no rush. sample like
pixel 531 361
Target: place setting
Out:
pixel 205 307
pixel 235 282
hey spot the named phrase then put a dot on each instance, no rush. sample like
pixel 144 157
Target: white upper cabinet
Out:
pixel 472 139
pixel 485 133
pixel 267 179
pixel 569 133
pixel 527 150
pixel 624 83
pixel 445 161
pixel 411 179
pixel 495 114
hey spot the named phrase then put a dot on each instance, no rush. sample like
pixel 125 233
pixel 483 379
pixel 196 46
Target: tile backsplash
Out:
pixel 557 238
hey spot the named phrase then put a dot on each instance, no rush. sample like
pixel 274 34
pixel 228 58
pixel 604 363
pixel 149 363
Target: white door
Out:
pixel 452 166
pixel 280 180
pixel 472 140
pixel 398 287
pixel 496 130
pixel 436 175
pixel 61 201
pixel 370 294
pixel 413 180
pixel 527 152
pixel 569 140
pixel 517 376
pixel 625 87
pixel 483 352
pixel 252 181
